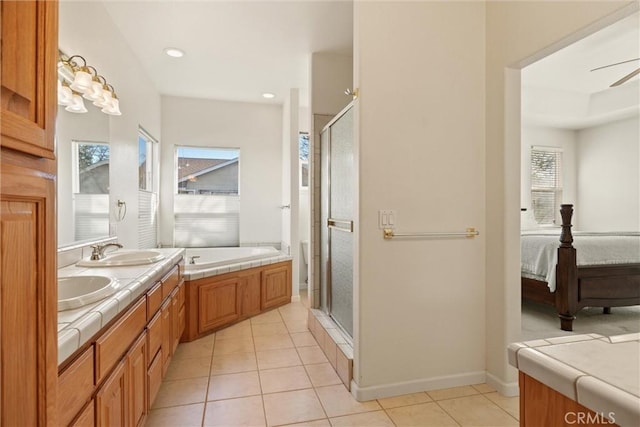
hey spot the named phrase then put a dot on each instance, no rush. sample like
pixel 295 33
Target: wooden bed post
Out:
pixel 566 273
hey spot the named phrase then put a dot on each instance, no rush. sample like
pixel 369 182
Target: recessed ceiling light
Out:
pixel 268 95
pixel 174 52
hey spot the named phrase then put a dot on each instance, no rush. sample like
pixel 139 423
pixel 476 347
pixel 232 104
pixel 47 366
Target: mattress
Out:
pixel 539 254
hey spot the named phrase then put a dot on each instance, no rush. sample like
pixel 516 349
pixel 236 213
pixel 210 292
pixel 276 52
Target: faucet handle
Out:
pixel 193 259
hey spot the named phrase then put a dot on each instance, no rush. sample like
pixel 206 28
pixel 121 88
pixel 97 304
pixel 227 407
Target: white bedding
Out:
pixel 539 254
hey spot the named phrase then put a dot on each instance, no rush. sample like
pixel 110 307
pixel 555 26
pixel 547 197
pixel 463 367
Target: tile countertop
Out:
pixel 601 373
pixel 77 326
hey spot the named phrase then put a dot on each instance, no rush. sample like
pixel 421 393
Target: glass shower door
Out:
pixel 338 211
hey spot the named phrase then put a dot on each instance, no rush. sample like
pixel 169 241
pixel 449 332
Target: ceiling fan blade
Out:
pixel 617 63
pixel 625 78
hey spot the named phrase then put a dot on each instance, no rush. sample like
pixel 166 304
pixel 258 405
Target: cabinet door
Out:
pixel 137 366
pixel 111 399
pixel 29 55
pixel 218 304
pixel 250 294
pixel 154 378
pixel 28 295
pixel 276 286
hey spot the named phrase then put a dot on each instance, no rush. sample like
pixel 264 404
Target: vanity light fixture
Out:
pixel 79 80
pixel 174 52
pixel 268 95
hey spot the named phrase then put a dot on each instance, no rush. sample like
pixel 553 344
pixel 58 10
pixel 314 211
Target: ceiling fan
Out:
pixel 625 78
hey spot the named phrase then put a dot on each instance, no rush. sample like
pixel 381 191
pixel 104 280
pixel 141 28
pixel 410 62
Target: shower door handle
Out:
pixel 340 224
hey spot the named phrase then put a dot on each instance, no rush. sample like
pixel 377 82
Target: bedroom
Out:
pixel 589 132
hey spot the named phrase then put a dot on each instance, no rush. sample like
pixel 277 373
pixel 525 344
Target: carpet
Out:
pixel 541 321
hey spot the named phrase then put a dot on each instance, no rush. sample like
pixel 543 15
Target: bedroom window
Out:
pixel 546 184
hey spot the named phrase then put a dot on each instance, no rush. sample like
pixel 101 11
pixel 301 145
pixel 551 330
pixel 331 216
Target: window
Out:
pixel 90 189
pixel 303 151
pixel 207 200
pixel 92 168
pixel 147 191
pixel 146 159
pixel 546 183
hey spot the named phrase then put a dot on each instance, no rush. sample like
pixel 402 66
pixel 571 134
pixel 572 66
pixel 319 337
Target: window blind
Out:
pixel 546 183
pixel 91 215
pixel 206 220
pixel 147 219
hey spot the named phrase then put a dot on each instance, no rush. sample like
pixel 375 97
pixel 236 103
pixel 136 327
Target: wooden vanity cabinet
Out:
pixel 115 380
pixel 219 301
pixel 28 302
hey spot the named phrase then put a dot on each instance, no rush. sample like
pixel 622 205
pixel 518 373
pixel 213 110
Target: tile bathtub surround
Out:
pixel 86 321
pixel 262 372
pixel 216 271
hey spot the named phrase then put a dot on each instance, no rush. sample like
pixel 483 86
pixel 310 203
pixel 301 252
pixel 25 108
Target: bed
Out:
pixel 600 270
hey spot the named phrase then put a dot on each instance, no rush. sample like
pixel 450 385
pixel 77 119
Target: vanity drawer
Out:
pixel 154 299
pixel 111 346
pixel 170 281
pixel 154 335
pixel 75 386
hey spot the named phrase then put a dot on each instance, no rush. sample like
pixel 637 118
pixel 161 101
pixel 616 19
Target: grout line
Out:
pixel 255 353
pixel 446 412
pixel 206 394
pixel 503 409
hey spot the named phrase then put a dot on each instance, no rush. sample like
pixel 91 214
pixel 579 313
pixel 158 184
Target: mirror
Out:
pixel 83 175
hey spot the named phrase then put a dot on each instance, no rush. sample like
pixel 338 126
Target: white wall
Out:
pixel 290 193
pixel 609 177
pixel 100 42
pixel 517 34
pixel 549 137
pixel 256 129
pixel 331 75
pixel 419 307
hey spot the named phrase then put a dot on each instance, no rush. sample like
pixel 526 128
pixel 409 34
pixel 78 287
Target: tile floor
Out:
pixel 269 371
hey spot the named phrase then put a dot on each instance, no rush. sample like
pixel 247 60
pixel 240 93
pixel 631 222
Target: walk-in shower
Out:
pixel 338 196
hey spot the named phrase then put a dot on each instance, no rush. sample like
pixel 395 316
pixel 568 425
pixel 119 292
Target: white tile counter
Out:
pixel 77 326
pixel 601 373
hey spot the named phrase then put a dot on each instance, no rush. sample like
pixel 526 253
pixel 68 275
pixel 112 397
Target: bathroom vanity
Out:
pixel 579 379
pixel 114 353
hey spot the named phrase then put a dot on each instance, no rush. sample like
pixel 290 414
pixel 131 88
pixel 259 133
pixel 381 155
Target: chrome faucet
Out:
pixel 193 259
pixel 98 250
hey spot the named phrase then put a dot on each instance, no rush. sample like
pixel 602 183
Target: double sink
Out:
pixel 77 291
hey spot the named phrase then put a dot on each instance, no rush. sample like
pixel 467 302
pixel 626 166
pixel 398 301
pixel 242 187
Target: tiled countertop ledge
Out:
pixel 76 326
pixel 215 271
pixel 601 373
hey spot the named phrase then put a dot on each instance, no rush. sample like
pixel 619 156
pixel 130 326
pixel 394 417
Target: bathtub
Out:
pixel 214 258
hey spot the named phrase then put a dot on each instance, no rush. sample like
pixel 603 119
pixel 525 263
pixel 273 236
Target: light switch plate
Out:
pixel 387 218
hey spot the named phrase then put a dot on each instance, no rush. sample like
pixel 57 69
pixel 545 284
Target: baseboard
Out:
pixel 414 386
pixel 505 389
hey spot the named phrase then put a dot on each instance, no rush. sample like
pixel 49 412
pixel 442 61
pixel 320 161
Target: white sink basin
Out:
pixel 124 257
pixel 76 291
